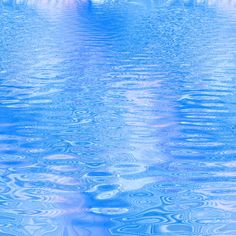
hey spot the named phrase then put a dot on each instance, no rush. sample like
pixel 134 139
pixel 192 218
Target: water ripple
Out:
pixel 117 117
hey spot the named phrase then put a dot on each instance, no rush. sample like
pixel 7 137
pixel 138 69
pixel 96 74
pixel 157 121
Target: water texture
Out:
pixel 117 117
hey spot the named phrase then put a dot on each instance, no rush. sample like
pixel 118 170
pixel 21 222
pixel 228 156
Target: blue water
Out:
pixel 117 117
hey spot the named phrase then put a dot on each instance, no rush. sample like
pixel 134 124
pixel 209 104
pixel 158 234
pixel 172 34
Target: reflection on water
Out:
pixel 117 117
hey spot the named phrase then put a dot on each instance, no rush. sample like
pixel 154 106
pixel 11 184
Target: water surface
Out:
pixel 117 117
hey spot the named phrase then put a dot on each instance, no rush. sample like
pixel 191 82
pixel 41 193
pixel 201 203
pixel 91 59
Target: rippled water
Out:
pixel 117 117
